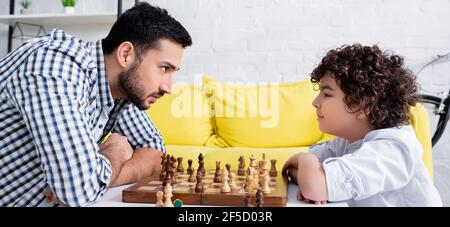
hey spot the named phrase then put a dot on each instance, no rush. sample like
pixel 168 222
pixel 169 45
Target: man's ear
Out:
pixel 125 54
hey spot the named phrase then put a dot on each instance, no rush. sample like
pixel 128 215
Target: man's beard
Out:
pixel 129 84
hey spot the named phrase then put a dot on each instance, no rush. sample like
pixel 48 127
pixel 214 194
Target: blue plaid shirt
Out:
pixel 55 107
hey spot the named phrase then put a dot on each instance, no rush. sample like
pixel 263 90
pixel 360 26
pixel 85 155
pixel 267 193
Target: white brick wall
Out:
pixel 283 40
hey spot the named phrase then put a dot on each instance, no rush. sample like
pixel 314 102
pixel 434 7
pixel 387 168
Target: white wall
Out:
pixel 92 32
pixel 282 40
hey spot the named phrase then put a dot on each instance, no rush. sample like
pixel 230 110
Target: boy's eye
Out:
pixel 326 95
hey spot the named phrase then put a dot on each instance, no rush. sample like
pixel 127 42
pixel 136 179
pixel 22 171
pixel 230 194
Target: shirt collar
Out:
pixel 104 90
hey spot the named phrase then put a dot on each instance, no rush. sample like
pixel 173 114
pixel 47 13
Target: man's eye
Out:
pixel 164 69
pixel 326 95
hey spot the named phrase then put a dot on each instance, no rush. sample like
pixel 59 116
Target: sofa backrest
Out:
pixel 252 116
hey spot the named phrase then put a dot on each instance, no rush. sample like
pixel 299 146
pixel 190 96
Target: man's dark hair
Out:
pixel 373 81
pixel 144 25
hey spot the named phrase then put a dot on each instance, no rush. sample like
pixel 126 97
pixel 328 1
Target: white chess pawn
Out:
pixel 168 196
pixel 159 199
pixel 225 185
pixel 248 183
pixel 255 177
pixel 253 162
pixel 232 182
pixel 265 187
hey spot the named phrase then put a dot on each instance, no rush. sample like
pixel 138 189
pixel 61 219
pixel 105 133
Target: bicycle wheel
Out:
pixel 436 101
pixel 443 115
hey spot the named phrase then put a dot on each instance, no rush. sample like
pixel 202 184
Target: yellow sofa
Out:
pixel 225 121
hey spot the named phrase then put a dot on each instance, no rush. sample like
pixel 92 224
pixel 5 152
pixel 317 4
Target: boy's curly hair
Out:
pixel 373 81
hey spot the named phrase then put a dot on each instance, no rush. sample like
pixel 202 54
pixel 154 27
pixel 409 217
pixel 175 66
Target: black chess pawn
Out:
pixel 228 166
pixel 190 169
pixel 259 198
pixel 162 174
pixel 191 176
pixel 168 171
pixel 273 170
pixel 241 169
pixel 180 167
pixel 201 163
pixel 217 175
pixel 174 170
pixel 199 185
pixel 247 201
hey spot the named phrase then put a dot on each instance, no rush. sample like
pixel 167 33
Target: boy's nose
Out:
pixel 315 102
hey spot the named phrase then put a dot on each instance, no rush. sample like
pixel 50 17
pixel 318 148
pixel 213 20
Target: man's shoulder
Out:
pixel 70 46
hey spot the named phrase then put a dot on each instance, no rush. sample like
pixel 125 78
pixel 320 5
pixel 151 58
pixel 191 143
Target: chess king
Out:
pixel 81 91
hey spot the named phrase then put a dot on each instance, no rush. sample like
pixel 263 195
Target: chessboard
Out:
pixel 207 187
pixel 145 192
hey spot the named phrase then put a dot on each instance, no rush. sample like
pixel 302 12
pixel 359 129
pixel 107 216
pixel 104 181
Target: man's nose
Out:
pixel 166 88
pixel 166 85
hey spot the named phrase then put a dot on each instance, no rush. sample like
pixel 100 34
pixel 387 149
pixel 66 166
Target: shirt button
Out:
pixel 109 104
pixel 100 126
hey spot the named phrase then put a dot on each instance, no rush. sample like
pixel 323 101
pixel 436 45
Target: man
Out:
pixel 60 96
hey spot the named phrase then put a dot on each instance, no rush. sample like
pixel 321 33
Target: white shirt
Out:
pixel 385 168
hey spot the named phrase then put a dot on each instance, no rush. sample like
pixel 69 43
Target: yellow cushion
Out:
pixel 264 116
pixel 420 121
pixel 183 117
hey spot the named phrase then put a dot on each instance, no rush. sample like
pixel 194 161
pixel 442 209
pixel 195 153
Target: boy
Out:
pixel 376 159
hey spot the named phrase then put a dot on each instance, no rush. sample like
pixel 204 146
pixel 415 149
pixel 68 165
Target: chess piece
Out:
pixel 168 174
pixel 241 170
pixel 228 166
pixel 264 165
pixel 232 182
pixel 199 185
pixel 247 201
pixel 201 163
pixel 162 174
pixel 259 198
pixel 273 169
pixel 248 187
pixel 191 176
pixel 265 184
pixel 174 170
pixel 159 199
pixel 260 167
pixel 255 177
pixel 217 176
pixel 168 196
pixel 180 167
pixel 190 169
pixel 225 185
pixel 253 162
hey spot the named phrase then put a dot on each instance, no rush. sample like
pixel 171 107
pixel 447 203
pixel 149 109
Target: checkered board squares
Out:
pixel 145 192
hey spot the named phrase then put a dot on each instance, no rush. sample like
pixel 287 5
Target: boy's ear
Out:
pixel 362 114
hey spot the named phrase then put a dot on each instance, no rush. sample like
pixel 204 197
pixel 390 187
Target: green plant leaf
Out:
pixel 69 3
